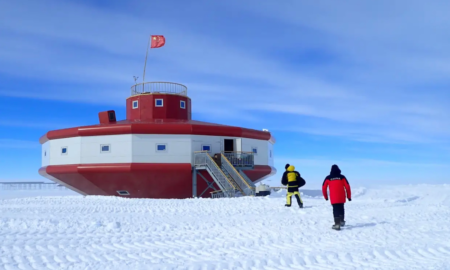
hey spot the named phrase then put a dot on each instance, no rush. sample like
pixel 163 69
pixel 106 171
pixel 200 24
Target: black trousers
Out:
pixel 338 210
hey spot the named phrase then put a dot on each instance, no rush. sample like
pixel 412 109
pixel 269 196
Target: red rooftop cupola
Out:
pixel 158 100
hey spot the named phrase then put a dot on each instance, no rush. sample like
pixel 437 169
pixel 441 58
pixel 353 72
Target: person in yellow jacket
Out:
pixel 294 181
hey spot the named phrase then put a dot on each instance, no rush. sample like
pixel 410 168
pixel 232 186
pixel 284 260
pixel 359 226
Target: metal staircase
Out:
pixel 203 161
pixel 245 186
pixel 231 181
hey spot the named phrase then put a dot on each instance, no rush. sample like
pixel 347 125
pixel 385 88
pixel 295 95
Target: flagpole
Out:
pixel 145 65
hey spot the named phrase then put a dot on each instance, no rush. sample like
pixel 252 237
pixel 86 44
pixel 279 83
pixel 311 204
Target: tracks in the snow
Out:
pixel 246 233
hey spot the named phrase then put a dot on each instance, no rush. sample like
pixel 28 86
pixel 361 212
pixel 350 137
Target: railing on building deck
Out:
pixel 30 186
pixel 240 159
pixel 159 88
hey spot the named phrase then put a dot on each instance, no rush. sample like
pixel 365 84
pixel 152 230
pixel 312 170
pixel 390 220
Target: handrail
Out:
pixel 240 158
pixel 227 185
pixel 234 169
pixel 248 180
pixel 237 177
pixel 243 152
pixel 159 88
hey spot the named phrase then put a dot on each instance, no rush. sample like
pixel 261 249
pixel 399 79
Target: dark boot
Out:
pixel 300 204
pixel 287 205
pixel 342 221
pixel 337 223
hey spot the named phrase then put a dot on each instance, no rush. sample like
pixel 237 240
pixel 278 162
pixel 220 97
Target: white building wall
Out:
pixel 73 155
pixel 45 154
pixel 119 149
pixel 178 148
pixel 238 142
pixel 270 156
pixel 215 142
pixel 262 155
pixel 138 148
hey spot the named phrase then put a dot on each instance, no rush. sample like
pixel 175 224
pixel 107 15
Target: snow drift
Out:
pixel 403 227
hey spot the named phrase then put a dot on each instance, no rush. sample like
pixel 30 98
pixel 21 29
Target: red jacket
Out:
pixel 339 187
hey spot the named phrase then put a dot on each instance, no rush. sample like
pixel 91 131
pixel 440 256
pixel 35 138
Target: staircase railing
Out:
pixel 225 184
pixel 235 184
pixel 217 194
pixel 250 182
pixel 240 159
pixel 246 188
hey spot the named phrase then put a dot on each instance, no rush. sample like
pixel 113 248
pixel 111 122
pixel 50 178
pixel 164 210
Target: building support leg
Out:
pixel 194 182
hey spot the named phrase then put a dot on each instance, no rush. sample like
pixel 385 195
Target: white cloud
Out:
pixel 380 82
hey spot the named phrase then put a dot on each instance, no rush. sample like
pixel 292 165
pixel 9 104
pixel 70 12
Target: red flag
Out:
pixel 158 41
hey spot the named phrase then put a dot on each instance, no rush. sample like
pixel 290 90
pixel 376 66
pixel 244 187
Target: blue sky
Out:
pixel 363 85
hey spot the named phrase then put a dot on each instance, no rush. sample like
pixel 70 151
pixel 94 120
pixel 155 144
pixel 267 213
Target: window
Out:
pixel 161 147
pixel 206 148
pixel 45 153
pixel 159 102
pixel 270 153
pixel 123 192
pixel 64 150
pixel 255 150
pixel 182 104
pixel 135 104
pixel 105 148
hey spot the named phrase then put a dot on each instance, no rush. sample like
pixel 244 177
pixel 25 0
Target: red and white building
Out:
pixel 154 153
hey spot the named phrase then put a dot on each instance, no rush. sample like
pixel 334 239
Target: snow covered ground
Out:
pixel 401 227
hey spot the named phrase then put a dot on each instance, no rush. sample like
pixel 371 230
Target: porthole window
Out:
pixel 161 147
pixel 135 104
pixel 64 150
pixel 123 192
pixel 182 104
pixel 105 148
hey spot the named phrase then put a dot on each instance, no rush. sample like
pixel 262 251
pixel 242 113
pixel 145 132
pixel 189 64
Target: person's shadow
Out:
pixel 362 225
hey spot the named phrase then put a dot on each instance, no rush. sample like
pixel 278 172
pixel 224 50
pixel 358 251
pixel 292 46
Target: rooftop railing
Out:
pixel 159 88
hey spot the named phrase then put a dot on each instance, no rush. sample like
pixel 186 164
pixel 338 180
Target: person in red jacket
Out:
pixel 339 191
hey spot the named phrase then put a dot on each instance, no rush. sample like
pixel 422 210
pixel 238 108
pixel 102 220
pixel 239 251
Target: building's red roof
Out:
pixel 166 126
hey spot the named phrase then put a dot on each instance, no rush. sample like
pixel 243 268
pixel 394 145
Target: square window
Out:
pixel 182 104
pixel 105 148
pixel 206 148
pixel 63 150
pixel 255 150
pixel 159 102
pixel 135 104
pixel 161 147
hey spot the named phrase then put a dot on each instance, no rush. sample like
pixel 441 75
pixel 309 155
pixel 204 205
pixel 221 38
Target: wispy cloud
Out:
pixel 12 143
pixel 35 125
pixel 385 75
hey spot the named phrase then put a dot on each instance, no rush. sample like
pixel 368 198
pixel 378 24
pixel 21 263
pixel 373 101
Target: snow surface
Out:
pixel 401 227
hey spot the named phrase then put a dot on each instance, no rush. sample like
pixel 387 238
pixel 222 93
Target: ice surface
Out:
pixel 401 227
